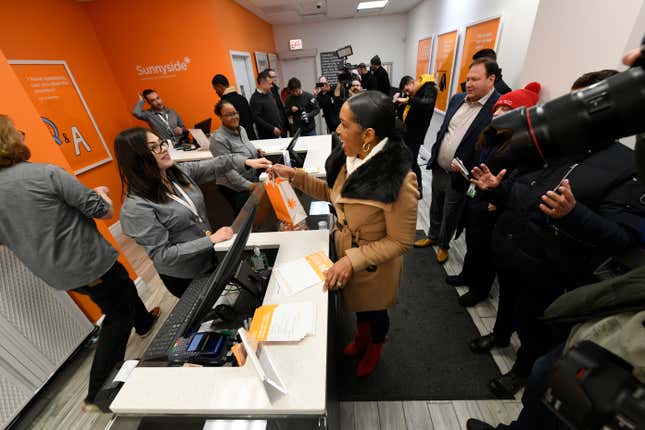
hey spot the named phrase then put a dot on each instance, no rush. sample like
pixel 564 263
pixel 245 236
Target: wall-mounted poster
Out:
pixel 60 103
pixel 479 35
pixel 261 61
pixel 424 53
pixel 444 63
pixel 275 65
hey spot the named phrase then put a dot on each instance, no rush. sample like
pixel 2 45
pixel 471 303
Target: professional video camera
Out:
pixel 590 388
pixel 345 69
pixel 584 121
pixel 345 74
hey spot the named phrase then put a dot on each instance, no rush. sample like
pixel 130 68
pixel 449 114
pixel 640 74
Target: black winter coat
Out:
pixel 607 218
pixel 420 113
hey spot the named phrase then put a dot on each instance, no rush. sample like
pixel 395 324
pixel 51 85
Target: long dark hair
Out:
pixel 138 168
pixel 373 109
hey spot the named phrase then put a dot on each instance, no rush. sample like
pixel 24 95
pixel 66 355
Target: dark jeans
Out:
pixel 176 286
pixel 117 297
pixel 414 144
pixel 445 208
pixel 379 323
pixel 236 199
pixel 534 415
pixel 479 264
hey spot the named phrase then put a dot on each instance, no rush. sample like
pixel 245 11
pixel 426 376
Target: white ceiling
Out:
pixel 303 11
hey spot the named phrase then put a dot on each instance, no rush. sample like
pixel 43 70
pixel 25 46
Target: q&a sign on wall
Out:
pixel 60 103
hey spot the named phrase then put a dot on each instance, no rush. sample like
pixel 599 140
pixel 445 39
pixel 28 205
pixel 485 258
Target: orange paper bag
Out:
pixel 285 203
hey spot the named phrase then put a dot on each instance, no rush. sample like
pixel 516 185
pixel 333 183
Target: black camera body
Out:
pixel 590 388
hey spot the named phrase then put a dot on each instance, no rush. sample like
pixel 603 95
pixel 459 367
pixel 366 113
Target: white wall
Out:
pixel 560 52
pixel 433 17
pixel 382 35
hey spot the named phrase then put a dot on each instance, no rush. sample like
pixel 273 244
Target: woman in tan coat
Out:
pixel 375 194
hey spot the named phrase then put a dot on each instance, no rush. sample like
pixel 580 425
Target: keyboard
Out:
pixel 176 323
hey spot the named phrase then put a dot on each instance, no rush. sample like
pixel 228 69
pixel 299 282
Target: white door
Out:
pixel 243 70
pixel 305 70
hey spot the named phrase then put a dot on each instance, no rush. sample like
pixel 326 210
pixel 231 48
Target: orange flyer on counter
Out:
pixel 261 323
pixel 320 263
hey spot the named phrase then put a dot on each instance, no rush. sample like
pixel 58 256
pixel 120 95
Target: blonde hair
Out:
pixel 12 148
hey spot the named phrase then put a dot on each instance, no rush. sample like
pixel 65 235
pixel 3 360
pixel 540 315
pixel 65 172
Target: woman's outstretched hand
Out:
pixel 258 163
pixel 280 170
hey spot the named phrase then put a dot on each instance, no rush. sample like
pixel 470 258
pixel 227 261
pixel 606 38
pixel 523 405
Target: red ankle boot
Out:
pixel 362 338
pixel 369 361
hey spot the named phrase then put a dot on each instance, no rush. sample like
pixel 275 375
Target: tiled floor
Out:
pixel 60 405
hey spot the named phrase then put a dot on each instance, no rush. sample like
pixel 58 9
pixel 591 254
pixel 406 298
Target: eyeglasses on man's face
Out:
pixel 157 147
pixel 230 115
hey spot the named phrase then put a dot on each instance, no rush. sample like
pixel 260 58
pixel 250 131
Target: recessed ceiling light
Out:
pixel 380 4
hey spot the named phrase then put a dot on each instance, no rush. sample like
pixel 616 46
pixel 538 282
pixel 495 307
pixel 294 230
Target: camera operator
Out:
pixel 368 82
pixel 325 97
pixel 556 225
pixel 302 108
pixel 611 316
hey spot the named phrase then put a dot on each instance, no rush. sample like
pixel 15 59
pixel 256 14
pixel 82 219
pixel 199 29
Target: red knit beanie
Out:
pixel 527 96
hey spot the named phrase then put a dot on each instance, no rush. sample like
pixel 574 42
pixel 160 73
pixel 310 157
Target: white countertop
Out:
pixel 318 149
pixel 233 391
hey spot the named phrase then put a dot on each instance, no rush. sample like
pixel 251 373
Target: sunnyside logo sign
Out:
pixel 162 71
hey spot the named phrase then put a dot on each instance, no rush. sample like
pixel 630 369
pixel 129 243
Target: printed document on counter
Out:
pixel 303 273
pixel 286 322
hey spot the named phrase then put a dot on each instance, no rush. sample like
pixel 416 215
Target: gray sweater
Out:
pixel 172 236
pixel 227 142
pixel 156 121
pixel 46 220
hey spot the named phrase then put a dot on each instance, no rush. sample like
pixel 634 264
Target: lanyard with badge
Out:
pixel 164 117
pixel 186 202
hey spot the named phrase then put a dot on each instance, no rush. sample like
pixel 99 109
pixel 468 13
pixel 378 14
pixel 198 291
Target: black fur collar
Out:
pixel 379 179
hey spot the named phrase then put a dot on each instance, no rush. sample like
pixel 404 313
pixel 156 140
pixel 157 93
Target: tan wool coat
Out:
pixel 373 234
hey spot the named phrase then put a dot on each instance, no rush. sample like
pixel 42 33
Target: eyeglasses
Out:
pixel 230 115
pixel 157 147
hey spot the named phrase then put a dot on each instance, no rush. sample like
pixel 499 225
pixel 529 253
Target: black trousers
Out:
pixel 379 323
pixel 236 199
pixel 524 296
pixel 176 286
pixel 414 144
pixel 117 297
pixel 479 263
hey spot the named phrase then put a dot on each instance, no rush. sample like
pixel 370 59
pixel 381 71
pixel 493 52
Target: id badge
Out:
pixel 472 191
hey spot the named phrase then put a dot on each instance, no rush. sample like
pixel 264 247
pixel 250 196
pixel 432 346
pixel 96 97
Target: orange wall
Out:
pixel 61 30
pixel 16 103
pixel 152 32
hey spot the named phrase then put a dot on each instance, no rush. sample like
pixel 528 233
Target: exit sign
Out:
pixel 295 44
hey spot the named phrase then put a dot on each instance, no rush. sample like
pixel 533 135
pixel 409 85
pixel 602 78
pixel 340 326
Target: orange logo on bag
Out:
pixel 291 203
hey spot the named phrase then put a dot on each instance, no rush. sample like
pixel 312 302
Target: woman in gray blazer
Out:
pixel 164 209
pixel 232 139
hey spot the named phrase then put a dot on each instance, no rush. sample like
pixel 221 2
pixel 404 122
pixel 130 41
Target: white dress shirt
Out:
pixel 457 128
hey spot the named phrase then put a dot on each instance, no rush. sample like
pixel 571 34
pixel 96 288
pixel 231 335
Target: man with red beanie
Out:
pixel 479 217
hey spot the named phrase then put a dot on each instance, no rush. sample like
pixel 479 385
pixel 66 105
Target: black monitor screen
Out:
pixel 226 268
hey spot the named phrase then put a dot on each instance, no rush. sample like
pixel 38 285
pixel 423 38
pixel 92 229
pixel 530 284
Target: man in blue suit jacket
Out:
pixel 466 117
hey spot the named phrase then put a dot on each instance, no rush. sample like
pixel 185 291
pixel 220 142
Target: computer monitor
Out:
pixel 205 126
pixel 296 159
pixel 227 267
